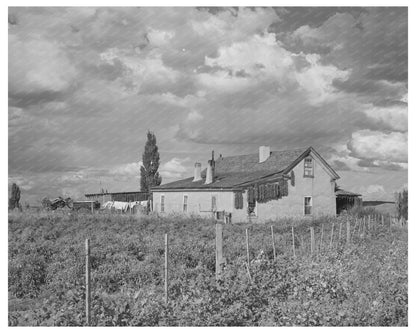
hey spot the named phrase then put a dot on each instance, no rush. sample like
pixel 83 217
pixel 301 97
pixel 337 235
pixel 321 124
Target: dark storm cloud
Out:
pixel 294 17
pixel 385 165
pixel 26 99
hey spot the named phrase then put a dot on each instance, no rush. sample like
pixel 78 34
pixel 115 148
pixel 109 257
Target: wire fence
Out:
pixel 173 255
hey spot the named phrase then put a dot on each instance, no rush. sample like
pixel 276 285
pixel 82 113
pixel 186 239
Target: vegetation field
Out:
pixel 382 207
pixel 361 284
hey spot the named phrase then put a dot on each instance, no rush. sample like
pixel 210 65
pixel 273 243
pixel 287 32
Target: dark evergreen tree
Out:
pixel 401 204
pixel 149 176
pixel 15 197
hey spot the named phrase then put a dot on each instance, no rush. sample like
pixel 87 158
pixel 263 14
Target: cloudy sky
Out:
pixel 85 85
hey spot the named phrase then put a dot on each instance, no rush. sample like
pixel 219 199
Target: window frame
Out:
pixel 185 204
pixel 308 166
pixel 162 203
pixel 254 212
pixel 213 203
pixel 310 206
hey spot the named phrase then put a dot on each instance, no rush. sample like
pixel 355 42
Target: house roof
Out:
pixel 234 171
pixel 341 192
pixel 278 161
pixel 108 193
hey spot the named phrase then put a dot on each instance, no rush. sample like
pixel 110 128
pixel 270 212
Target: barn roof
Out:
pixel 342 193
pixel 235 171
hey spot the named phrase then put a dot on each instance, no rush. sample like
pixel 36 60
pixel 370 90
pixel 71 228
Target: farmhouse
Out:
pixel 255 188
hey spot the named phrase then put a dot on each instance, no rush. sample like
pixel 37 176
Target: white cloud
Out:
pixel 392 147
pixel 194 116
pixel 395 117
pixel 317 79
pixel 226 26
pixel 222 81
pixel 375 188
pixel 258 55
pixel 175 169
pixel 374 192
pixel 74 177
pixel 168 98
pixel 333 31
pixel 37 65
pixel 129 169
pixel 141 70
pixel 262 58
pixel 159 38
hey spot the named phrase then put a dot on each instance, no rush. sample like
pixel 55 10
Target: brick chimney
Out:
pixel 197 172
pixel 264 153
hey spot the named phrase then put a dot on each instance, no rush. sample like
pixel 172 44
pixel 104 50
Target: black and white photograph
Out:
pixel 199 166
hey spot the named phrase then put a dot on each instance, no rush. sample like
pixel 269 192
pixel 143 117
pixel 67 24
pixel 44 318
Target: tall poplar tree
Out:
pixel 15 197
pixel 149 176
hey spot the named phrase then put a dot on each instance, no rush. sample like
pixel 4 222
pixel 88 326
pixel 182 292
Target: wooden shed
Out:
pixel 346 200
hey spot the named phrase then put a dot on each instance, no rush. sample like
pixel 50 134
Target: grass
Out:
pixel 364 284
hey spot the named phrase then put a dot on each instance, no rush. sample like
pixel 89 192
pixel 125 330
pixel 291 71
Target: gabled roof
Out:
pixel 235 171
pixel 278 161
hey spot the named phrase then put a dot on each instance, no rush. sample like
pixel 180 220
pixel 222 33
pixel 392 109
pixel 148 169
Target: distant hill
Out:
pixel 376 203
pixel 383 207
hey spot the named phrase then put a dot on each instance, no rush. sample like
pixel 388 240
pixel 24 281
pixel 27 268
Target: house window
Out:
pixel 308 167
pixel 252 208
pixel 308 206
pixel 185 203
pixel 162 203
pixel 213 203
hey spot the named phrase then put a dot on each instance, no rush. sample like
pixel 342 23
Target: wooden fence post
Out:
pixel 370 225
pixel 293 243
pixel 302 245
pixel 87 283
pixel 382 220
pixel 248 272
pixel 365 225
pixel 322 237
pixel 332 235
pixel 390 224
pixel 274 247
pixel 340 232
pixel 369 222
pixel 218 250
pixel 312 241
pixel 355 226
pixel 92 207
pixel 348 232
pixel 248 249
pixel 166 268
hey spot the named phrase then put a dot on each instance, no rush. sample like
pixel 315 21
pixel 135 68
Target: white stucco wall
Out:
pixel 198 202
pixel 320 188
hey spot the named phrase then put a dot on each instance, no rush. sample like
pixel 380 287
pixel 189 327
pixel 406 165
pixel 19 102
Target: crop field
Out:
pixel 363 283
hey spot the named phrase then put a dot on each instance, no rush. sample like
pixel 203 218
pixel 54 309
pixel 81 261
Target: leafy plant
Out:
pixel 364 284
